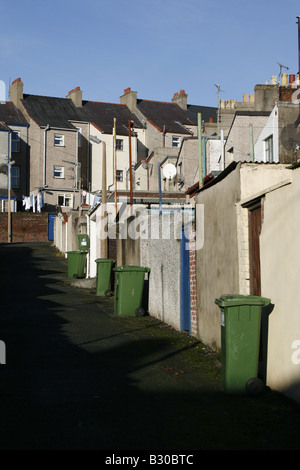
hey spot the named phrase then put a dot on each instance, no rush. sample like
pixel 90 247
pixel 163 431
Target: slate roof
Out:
pixel 103 114
pixel 57 112
pixel 10 114
pixel 170 115
pixel 206 112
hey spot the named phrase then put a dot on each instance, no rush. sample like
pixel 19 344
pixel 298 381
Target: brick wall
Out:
pixel 26 227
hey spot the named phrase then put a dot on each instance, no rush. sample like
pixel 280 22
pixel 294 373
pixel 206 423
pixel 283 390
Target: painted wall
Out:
pixel 217 260
pixel 122 157
pixel 280 254
pixel 162 255
pixel 270 128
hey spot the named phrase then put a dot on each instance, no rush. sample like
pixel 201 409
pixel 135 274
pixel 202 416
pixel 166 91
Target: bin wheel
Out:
pixel 75 276
pixel 107 293
pixel 254 386
pixel 140 312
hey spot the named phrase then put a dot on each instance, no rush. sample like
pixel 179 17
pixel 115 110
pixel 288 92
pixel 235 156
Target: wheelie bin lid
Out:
pixel 236 300
pixel 104 260
pixel 131 268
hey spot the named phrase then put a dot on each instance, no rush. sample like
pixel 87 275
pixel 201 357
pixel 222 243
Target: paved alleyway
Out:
pixel 78 377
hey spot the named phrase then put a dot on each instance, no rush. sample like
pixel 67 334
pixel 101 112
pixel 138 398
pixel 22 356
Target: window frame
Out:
pixel 59 140
pixel 120 144
pixel 56 168
pixel 175 141
pixel 15 142
pixel 65 196
pixel 269 149
pixel 15 177
pixel 120 176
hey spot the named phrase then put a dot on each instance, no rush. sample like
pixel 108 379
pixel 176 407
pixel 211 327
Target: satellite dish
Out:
pixel 169 171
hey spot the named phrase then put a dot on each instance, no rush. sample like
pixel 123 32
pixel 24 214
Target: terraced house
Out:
pixel 13 155
pixel 58 141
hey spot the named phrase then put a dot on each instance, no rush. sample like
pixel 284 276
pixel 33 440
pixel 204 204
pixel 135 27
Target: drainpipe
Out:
pixel 45 145
pixel 200 151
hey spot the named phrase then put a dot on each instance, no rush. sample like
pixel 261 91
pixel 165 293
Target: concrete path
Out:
pixel 79 377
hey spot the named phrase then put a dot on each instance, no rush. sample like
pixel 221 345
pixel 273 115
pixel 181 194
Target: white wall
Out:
pixel 270 128
pixel 122 158
pixel 280 274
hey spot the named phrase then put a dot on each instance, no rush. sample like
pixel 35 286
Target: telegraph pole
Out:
pixel 298 18
pixel 130 164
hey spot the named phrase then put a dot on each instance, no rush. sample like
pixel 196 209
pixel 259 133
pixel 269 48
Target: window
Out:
pixel 65 200
pixel 119 144
pixel 120 175
pixel 269 149
pixel 59 140
pixel 58 171
pixel 15 141
pixel 15 177
pixel 175 141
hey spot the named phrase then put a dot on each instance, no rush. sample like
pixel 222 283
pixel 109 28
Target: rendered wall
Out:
pixel 217 260
pixel 162 256
pixel 280 254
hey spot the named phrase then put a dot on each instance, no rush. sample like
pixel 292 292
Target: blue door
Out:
pixel 185 300
pixel 51 218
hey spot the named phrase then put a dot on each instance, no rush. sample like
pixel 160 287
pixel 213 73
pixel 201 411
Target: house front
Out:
pixel 14 164
pixel 58 141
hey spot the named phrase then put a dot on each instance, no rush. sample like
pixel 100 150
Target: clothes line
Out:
pixel 34 202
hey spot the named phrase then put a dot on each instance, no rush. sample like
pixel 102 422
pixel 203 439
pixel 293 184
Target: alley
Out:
pixel 79 377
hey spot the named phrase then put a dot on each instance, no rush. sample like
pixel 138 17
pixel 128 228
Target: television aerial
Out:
pixel 282 67
pixel 169 171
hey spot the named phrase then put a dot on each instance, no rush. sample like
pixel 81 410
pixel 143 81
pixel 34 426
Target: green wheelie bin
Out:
pixel 83 242
pixel 129 290
pixel 240 341
pixel 76 264
pixel 103 281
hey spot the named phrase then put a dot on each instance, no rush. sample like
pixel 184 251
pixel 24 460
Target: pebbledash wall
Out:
pixel 26 227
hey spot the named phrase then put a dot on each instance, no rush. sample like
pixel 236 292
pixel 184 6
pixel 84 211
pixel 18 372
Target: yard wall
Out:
pixel 280 255
pixel 25 226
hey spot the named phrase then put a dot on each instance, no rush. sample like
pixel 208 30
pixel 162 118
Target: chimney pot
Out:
pixel 127 90
pixel 292 79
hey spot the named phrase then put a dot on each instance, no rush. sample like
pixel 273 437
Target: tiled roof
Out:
pixel 57 112
pixel 170 115
pixel 103 114
pixel 11 115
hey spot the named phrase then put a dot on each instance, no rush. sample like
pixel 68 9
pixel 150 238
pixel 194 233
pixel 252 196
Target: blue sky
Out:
pixel 156 47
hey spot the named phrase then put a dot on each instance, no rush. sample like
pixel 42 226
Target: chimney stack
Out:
pixel 76 96
pixel 129 99
pixel 16 92
pixel 180 99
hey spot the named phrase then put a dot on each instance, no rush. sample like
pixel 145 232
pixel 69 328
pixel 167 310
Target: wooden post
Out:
pixel 103 200
pixel 200 151
pixel 130 164
pixel 115 148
